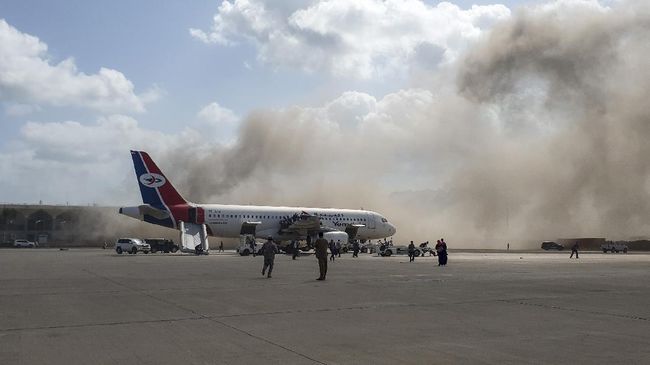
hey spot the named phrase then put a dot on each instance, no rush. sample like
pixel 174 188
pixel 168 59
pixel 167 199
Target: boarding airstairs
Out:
pixel 194 238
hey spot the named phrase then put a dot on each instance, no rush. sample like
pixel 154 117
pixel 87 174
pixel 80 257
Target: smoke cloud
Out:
pixel 541 132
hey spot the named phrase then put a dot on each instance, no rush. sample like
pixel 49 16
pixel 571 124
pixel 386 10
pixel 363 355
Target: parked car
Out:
pixel 550 245
pixel 614 247
pixel 161 244
pixel 25 243
pixel 131 245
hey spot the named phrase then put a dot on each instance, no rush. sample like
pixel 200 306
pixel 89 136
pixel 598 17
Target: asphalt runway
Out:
pixel 91 306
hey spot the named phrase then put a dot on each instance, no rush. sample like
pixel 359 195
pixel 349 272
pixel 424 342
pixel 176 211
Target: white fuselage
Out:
pixel 227 220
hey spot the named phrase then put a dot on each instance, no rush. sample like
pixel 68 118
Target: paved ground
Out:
pixel 95 307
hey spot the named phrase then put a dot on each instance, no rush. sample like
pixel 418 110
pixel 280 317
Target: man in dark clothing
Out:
pixel 355 248
pixel 574 250
pixel 444 251
pixel 251 244
pixel 411 252
pixel 221 246
pixel 294 247
pixel 321 254
pixel 332 250
pixel 441 251
pixel 269 249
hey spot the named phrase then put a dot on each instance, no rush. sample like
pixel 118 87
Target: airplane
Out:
pixel 164 206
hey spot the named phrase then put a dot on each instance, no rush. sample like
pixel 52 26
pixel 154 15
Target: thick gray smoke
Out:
pixel 543 135
pixel 585 171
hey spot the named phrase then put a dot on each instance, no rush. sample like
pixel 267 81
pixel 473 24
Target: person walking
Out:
pixel 221 246
pixel 251 244
pixel 294 247
pixel 338 248
pixel 269 249
pixel 411 252
pixel 321 254
pixel 574 250
pixel 355 248
pixel 332 250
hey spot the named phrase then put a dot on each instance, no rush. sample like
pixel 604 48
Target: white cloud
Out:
pixel 214 113
pixel 27 75
pixel 17 109
pixel 81 162
pixel 364 38
pixel 217 123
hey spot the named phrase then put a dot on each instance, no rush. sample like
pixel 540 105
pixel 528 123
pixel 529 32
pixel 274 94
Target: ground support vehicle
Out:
pixel 424 248
pixel 387 250
pixel 550 245
pixel 368 248
pixel 614 247
pixel 248 245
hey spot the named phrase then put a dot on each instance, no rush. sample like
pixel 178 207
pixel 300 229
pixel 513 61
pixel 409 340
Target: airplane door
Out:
pixel 196 215
pixel 370 220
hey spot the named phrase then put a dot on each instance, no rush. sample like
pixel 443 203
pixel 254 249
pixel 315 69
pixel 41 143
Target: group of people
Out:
pixel 440 251
pixel 335 249
pixel 270 249
pixel 321 245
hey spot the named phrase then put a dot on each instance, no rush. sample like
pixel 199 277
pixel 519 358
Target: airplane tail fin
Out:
pixel 157 191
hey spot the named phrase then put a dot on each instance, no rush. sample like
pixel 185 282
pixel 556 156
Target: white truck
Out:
pixel 614 247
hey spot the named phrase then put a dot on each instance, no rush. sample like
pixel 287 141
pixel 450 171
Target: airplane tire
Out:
pixel 119 250
pixel 245 253
pixel 174 249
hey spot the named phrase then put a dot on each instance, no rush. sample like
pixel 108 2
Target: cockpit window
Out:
pixel 384 220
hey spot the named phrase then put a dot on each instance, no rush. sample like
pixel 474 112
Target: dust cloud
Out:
pixel 541 133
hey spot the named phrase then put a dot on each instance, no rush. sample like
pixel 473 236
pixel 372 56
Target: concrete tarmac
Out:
pixel 92 306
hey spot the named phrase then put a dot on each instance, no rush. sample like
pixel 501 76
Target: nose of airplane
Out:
pixel 391 229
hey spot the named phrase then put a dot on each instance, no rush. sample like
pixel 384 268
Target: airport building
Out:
pixel 62 225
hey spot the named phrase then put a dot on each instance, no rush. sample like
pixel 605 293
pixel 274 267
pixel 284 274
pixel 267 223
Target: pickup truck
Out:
pixel 614 247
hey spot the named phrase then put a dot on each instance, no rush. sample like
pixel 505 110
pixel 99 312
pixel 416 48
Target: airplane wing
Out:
pixel 304 224
pixel 352 229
